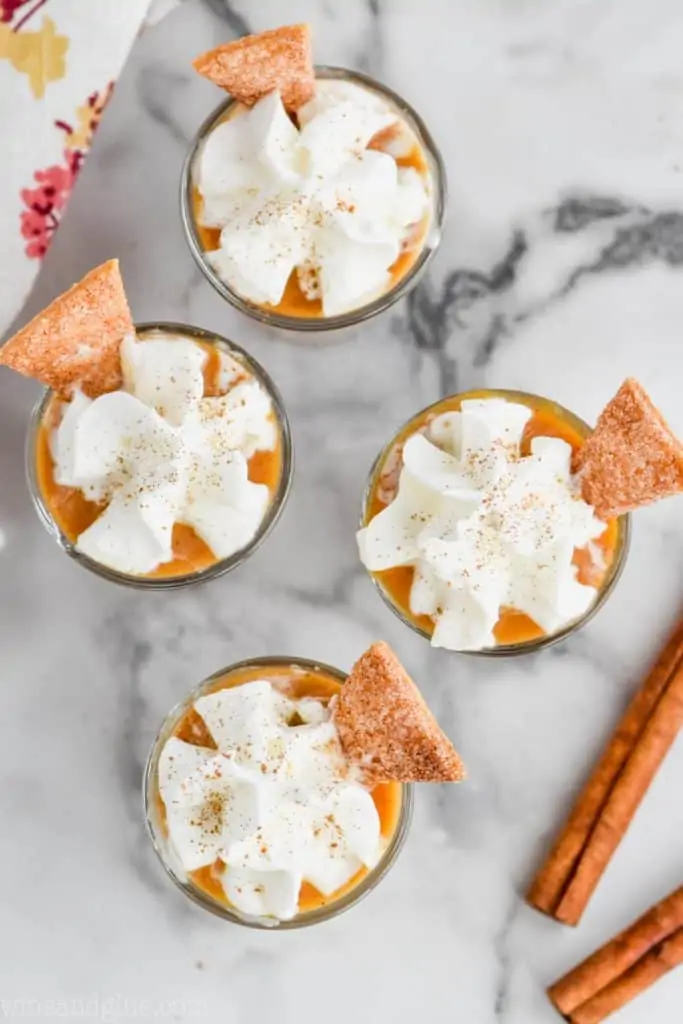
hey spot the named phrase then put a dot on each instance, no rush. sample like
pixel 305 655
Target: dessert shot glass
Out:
pixel 221 566
pixel 153 810
pixel 322 325
pixel 450 403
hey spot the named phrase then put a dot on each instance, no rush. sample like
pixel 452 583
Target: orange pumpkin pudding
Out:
pixel 309 197
pixel 269 799
pixel 495 520
pixel 162 452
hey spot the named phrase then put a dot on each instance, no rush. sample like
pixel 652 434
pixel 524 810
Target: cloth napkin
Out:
pixel 58 63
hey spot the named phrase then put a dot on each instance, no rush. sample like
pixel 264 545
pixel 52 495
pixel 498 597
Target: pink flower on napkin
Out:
pixel 41 219
pixel 45 203
pixel 34 227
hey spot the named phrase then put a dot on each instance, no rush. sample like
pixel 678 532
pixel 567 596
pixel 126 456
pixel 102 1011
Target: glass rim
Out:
pixel 193 892
pixel 362 313
pixel 221 566
pixel 614 570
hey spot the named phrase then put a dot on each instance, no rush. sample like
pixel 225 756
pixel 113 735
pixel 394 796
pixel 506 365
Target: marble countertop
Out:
pixel 561 272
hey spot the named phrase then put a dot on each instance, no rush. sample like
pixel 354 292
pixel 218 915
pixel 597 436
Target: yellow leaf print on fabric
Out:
pixel 79 137
pixel 87 119
pixel 39 55
pixel 5 40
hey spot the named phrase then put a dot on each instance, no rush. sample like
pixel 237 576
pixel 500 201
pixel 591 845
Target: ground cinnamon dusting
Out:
pixel 632 458
pixel 385 726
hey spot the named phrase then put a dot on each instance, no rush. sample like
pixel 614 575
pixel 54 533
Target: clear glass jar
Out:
pixel 217 568
pixel 320 324
pixel 577 425
pixel 170 862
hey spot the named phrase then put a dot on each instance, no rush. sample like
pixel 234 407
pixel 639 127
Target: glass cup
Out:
pixel 354 316
pixel 170 861
pixel 577 426
pixel 217 568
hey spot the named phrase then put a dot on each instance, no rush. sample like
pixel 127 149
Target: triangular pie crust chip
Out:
pixel 632 458
pixel 76 340
pixel 253 66
pixel 385 726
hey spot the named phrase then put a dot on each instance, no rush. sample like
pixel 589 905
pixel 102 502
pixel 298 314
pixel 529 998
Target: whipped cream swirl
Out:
pixel 159 453
pixel 276 802
pixel 313 199
pixel 483 527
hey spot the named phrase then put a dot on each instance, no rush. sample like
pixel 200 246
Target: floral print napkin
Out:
pixel 58 62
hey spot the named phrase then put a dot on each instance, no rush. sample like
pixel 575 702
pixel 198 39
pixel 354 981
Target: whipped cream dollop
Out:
pixel 158 453
pixel 276 802
pixel 313 199
pixel 484 527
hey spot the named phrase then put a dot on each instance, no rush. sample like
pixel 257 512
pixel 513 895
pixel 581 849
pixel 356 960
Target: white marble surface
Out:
pixel 560 272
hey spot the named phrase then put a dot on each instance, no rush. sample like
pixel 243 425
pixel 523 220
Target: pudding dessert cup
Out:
pixel 395 801
pixel 332 218
pixel 160 456
pixel 598 563
pixel 255 800
pixel 275 469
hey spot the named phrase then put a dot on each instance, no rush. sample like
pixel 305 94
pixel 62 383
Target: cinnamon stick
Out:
pixel 624 967
pixel 613 793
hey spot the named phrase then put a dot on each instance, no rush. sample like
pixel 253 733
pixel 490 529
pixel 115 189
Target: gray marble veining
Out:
pixel 560 272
